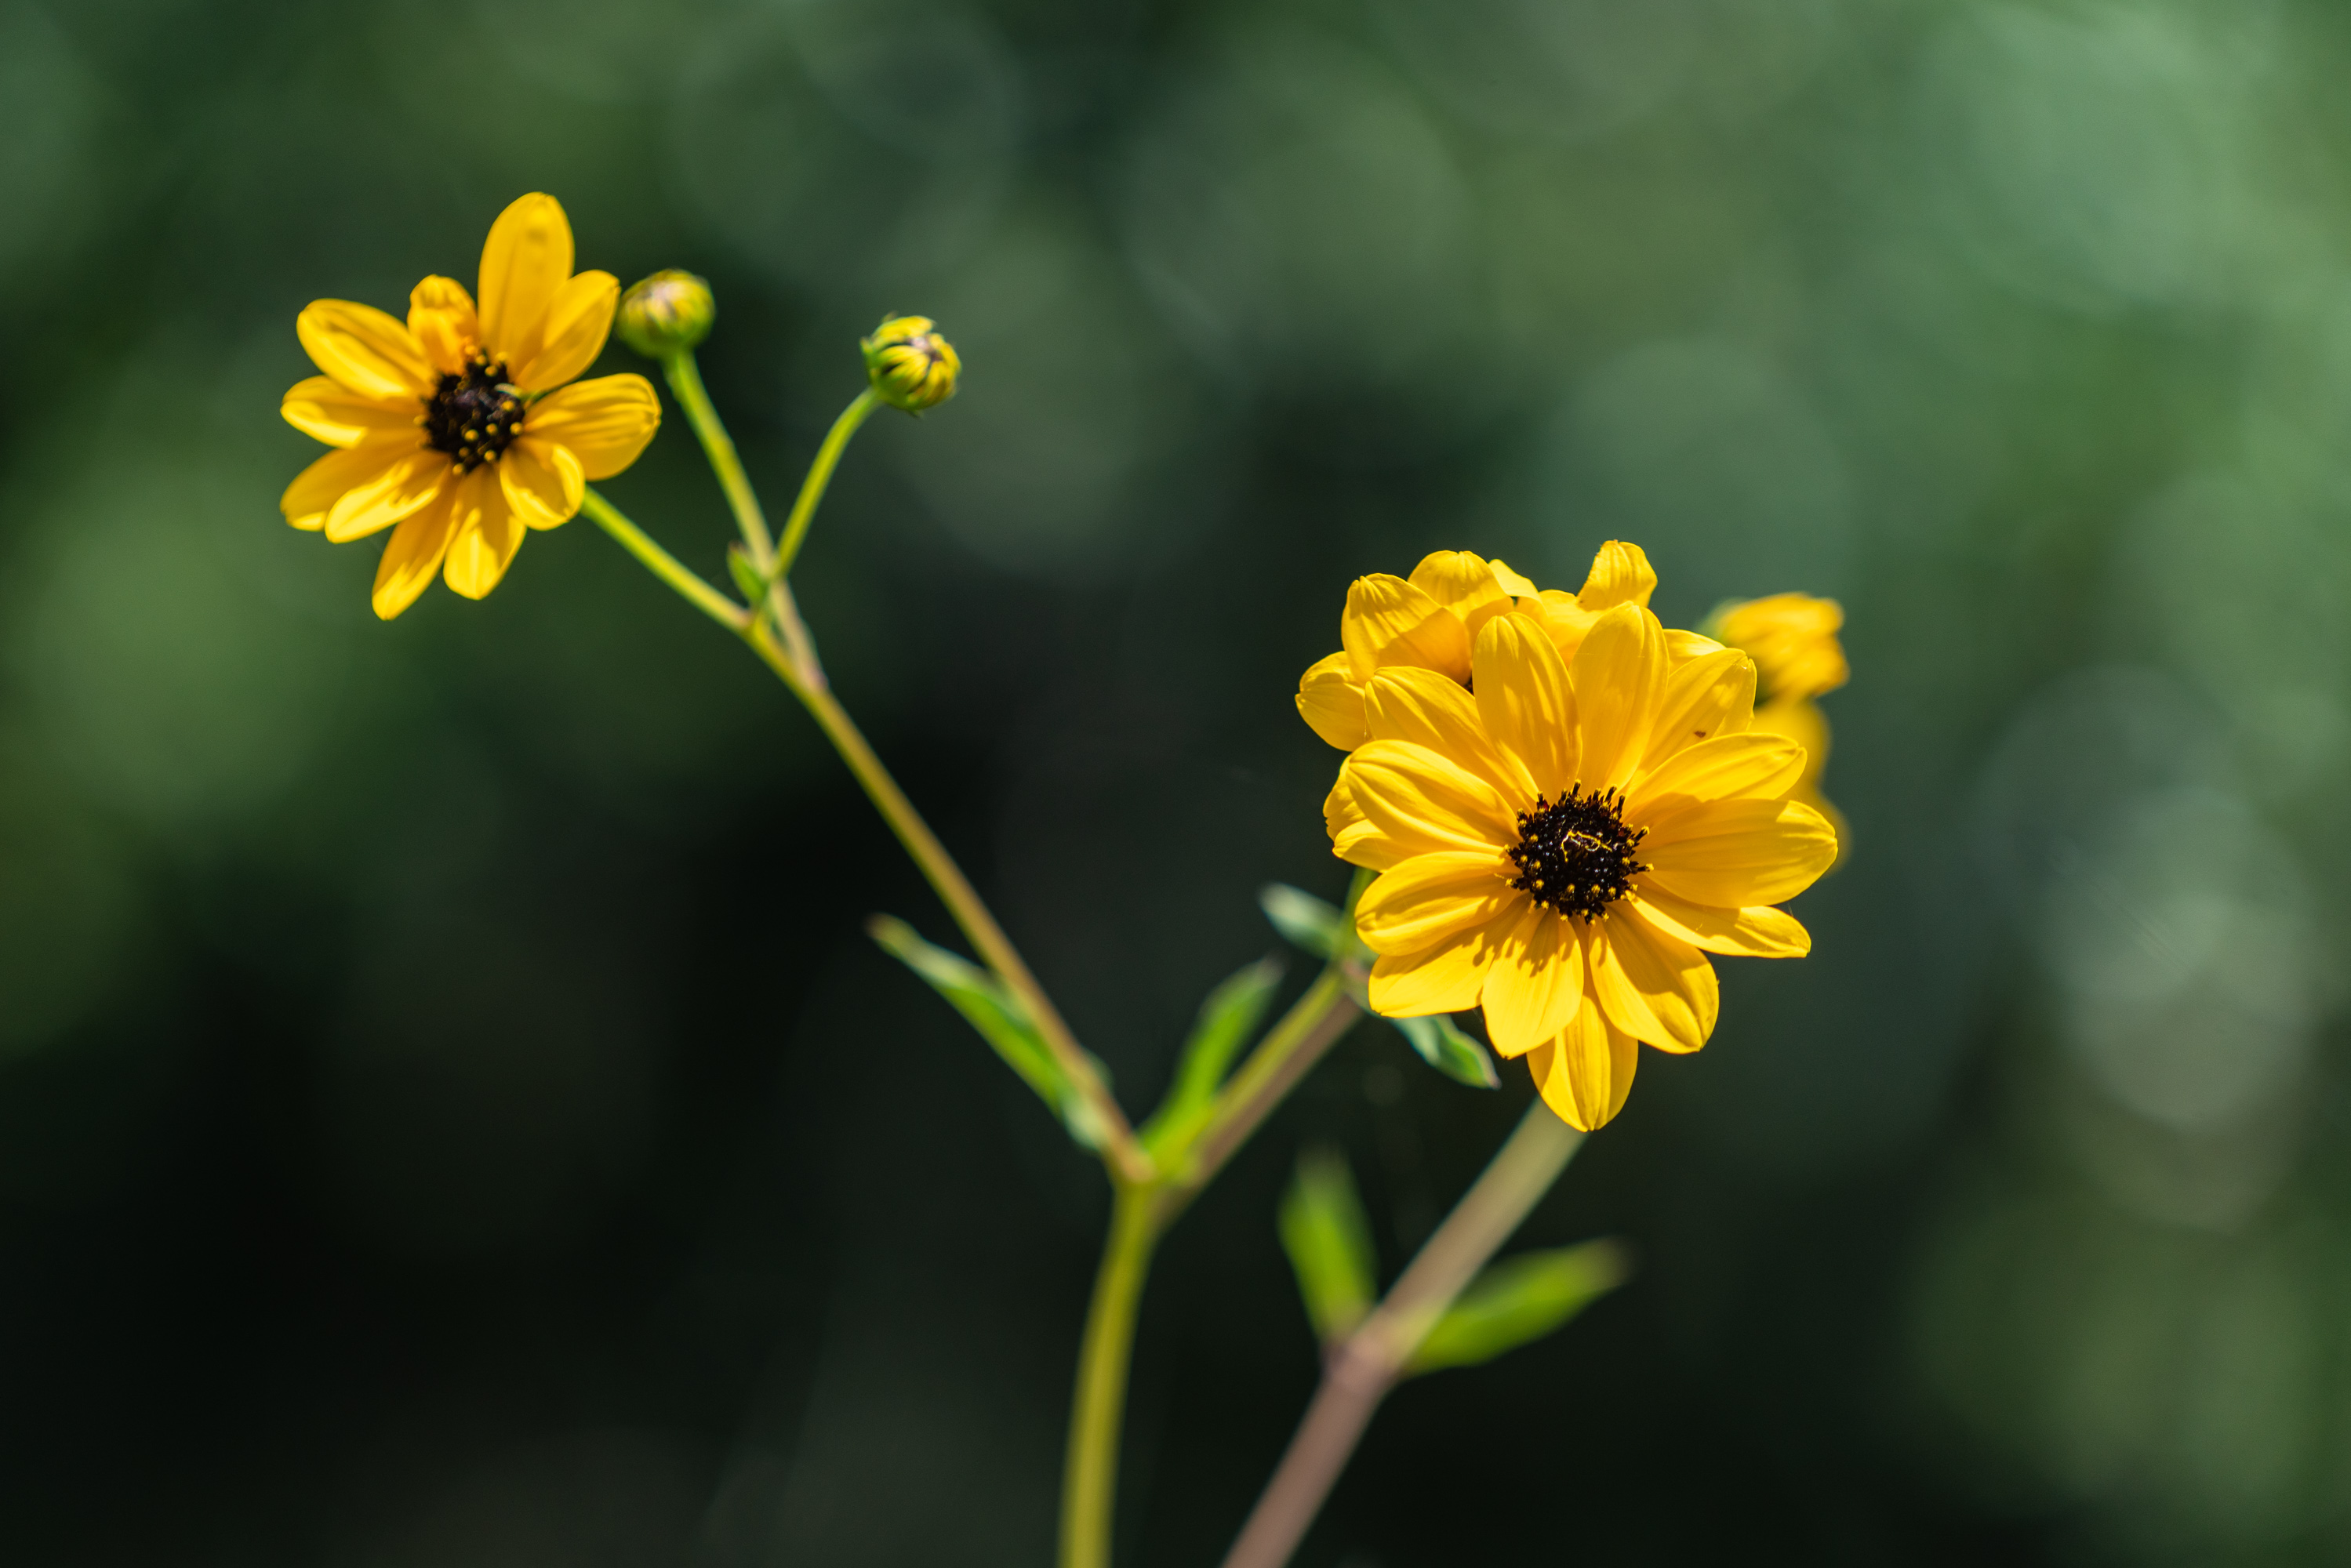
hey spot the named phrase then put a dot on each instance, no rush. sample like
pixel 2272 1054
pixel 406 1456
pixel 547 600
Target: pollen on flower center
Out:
pixel 476 416
pixel 1574 855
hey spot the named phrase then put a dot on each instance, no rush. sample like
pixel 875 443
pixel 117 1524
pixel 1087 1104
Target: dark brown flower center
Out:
pixel 474 416
pixel 1574 855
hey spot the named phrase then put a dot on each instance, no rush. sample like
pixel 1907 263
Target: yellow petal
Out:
pixel 1535 983
pixel 1331 704
pixel 369 352
pixel 1445 978
pixel 1751 766
pixel 400 491
pixel 1525 700
pixel 1710 695
pixel 577 323
pixel 1802 722
pixel 1432 710
pixel 1558 614
pixel 525 262
pixel 1430 898
pixel 1619 675
pixel 324 409
pixel 1758 931
pixel 1620 574
pixel 317 488
pixel 1682 646
pixel 1586 1074
pixel 542 481
pixel 1352 837
pixel 1389 621
pixel 1425 803
pixel 1740 853
pixel 441 318
pixel 1463 583
pixel 488 535
pixel 1654 987
pixel 605 421
pixel 413 554
pixel 1510 582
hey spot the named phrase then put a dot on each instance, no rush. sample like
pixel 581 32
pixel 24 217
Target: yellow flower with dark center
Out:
pixel 455 425
pixel 1793 638
pixel 1430 621
pixel 1563 842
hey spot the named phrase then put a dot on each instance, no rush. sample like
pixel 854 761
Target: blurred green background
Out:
pixel 449 1114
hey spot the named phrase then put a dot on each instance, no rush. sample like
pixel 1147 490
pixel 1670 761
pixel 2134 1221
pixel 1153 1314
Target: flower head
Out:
pixel 454 428
pixel 1793 638
pixel 1563 839
pixel 666 313
pixel 911 364
pixel 1430 621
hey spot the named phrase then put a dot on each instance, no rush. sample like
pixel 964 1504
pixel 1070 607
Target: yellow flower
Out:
pixel 451 424
pixel 1430 621
pixel 1563 843
pixel 1793 638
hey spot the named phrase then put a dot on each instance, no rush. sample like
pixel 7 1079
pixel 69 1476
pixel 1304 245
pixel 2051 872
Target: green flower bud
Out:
pixel 666 314
pixel 911 366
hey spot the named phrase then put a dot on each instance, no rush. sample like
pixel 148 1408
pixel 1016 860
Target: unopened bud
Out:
pixel 910 364
pixel 666 314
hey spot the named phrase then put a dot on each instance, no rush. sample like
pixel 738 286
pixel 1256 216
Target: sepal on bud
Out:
pixel 666 314
pixel 911 365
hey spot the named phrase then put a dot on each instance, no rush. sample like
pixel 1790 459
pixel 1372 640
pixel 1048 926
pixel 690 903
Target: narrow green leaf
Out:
pixel 1517 1302
pixel 998 1017
pixel 1443 1046
pixel 1329 1243
pixel 1303 920
pixel 749 582
pixel 1228 1019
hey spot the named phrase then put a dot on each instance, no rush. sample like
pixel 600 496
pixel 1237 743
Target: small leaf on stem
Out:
pixel 1329 1242
pixel 1442 1045
pixel 1517 1302
pixel 1000 1019
pixel 748 580
pixel 1304 920
pixel 1228 1019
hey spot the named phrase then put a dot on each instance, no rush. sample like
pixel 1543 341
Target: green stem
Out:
pixel 819 474
pixel 1090 1480
pixel 1314 1023
pixel 1121 1149
pixel 684 378
pixel 666 565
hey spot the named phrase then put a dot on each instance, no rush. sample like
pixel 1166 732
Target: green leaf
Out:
pixel 1329 1243
pixel 1519 1301
pixel 1228 1019
pixel 1000 1019
pixel 749 581
pixel 1443 1046
pixel 1304 920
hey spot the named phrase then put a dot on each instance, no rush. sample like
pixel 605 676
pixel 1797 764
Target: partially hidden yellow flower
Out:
pixel 1793 638
pixel 1562 841
pixel 455 425
pixel 1430 621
